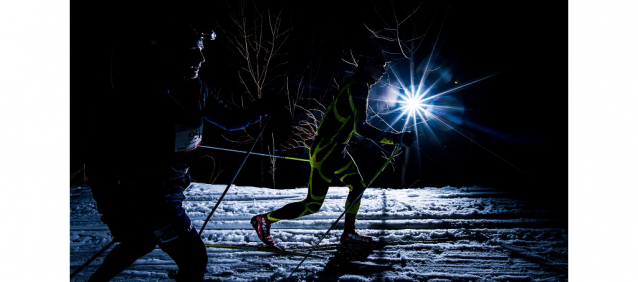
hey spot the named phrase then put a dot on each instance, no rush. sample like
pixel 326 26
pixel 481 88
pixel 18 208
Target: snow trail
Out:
pixel 484 234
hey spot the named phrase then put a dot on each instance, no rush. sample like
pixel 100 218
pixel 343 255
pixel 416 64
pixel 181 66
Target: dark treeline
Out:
pixel 514 128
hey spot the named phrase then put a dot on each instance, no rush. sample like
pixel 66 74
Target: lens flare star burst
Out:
pixel 422 109
pixel 419 105
pixel 413 106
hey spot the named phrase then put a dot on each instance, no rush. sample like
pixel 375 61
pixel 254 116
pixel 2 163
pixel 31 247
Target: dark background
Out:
pixel 517 120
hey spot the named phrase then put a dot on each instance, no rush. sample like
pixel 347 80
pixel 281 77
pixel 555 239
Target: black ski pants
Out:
pixel 141 221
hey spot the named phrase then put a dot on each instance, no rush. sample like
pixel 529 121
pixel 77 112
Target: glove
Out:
pixel 407 138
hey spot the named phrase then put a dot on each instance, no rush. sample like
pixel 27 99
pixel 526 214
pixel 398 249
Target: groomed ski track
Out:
pixel 485 234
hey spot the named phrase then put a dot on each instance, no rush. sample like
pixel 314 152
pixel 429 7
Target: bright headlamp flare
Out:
pixel 413 106
pixel 423 106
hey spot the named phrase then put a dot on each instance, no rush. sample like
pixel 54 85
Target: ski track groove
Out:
pixel 513 239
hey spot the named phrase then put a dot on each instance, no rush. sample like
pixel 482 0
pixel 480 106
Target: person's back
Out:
pixel 338 123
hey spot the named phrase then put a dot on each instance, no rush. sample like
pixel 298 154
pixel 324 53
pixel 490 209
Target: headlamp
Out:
pixel 209 35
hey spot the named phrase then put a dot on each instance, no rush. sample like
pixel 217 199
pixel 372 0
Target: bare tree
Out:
pixel 305 130
pixel 215 171
pixel 272 162
pixel 257 38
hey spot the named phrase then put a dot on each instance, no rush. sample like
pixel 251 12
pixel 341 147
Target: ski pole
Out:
pixel 211 213
pixel 235 176
pixel 256 154
pixel 394 153
pixel 92 258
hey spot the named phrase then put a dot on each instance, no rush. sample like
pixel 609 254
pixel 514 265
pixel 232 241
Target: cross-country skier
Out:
pixel 142 135
pixel 344 117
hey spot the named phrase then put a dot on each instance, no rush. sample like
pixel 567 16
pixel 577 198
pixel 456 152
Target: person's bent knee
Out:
pixel 312 207
pixel 187 250
pixel 135 241
pixel 140 247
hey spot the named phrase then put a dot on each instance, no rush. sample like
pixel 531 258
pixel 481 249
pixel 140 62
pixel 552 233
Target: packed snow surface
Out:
pixel 432 234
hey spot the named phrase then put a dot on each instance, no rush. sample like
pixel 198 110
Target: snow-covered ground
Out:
pixel 433 234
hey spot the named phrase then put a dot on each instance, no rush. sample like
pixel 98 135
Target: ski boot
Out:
pixel 351 237
pixel 261 224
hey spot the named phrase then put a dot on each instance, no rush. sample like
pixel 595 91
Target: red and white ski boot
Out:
pixel 261 224
pixel 351 237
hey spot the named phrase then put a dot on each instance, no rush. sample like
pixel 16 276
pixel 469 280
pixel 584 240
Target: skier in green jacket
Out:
pixel 344 117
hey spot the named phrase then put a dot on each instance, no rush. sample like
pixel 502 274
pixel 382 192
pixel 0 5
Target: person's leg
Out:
pixel 189 253
pixel 323 161
pixel 184 245
pixel 120 214
pixel 349 174
pixel 130 248
pixel 317 190
pixel 322 169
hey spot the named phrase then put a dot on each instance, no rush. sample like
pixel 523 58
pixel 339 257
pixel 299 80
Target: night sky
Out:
pixel 516 120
